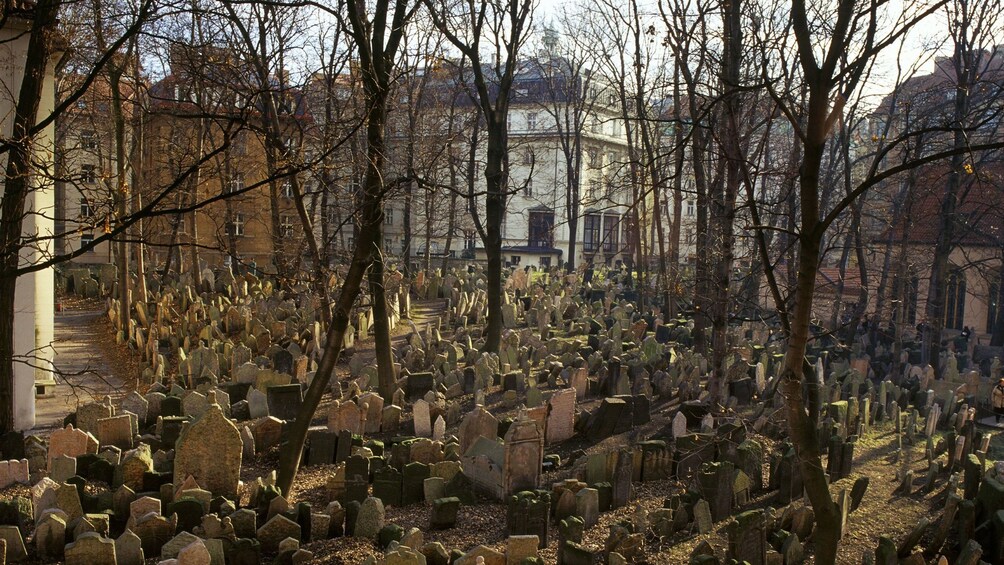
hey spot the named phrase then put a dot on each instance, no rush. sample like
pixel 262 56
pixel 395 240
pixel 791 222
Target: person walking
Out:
pixel 997 400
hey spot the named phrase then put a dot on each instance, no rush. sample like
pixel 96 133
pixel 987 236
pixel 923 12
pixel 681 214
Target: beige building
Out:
pixel 224 203
pixel 86 170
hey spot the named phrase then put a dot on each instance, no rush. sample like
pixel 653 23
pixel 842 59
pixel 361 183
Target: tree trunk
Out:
pixel 964 65
pixel 122 200
pixel 452 220
pixel 381 322
pixel 376 62
pixel 496 177
pixel 801 426
pixel 723 206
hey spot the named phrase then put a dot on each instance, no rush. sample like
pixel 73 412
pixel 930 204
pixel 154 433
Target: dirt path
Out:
pixel 82 361
pixel 422 312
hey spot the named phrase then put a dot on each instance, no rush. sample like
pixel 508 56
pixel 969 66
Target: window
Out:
pixel 531 121
pixel 690 208
pixel 594 189
pixel 350 242
pixel 286 188
pixel 528 187
pixel 388 216
pixel 514 259
pixel 86 239
pixel 89 174
pixel 239 144
pixel 617 127
pixel 595 161
pixel 388 243
pixel 596 126
pixel 993 304
pixel 234 184
pixel 236 225
pixel 286 225
pixel 627 237
pixel 88 140
pixel 470 242
pixel 688 238
pixel 85 209
pixel 591 235
pixel 527 157
pixel 955 299
pixel 541 229
pixel 179 222
pixel 610 233
pixel 545 262
pixel 905 300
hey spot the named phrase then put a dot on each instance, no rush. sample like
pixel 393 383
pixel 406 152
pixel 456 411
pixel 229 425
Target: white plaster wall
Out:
pixel 33 303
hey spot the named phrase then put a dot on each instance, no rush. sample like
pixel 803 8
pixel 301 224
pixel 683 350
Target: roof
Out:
pixel 979 214
pixel 828 278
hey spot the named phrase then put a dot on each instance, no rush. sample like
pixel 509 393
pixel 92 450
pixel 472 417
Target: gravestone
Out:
pixel 561 416
pixel 477 423
pixel 284 401
pixel 210 450
pixel 421 418
pixel 523 454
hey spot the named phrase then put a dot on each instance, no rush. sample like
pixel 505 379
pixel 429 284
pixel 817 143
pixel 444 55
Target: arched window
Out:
pixel 907 295
pixel 955 299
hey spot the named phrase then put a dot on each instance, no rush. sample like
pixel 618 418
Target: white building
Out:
pixel 34 294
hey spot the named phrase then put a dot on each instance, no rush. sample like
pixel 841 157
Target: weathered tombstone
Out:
pixel 477 423
pixel 523 455
pixel 322 447
pixel 444 513
pixel 71 442
pixel 116 430
pixel 561 416
pixel 275 530
pixel 370 519
pixel 748 538
pixel 90 549
pixel 257 404
pixel 284 401
pixel 527 513
pixel 421 418
pixel 210 450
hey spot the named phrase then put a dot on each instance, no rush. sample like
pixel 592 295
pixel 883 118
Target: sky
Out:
pixel 924 42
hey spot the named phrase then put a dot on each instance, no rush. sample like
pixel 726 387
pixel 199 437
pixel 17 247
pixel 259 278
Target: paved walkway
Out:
pixel 85 374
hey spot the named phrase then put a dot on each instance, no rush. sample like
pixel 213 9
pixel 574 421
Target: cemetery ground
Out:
pixel 600 445
pixel 884 511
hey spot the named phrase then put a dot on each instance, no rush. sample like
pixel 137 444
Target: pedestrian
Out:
pixel 997 400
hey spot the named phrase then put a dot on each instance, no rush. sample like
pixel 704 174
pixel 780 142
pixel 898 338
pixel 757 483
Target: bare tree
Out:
pixel 501 26
pixel 377 37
